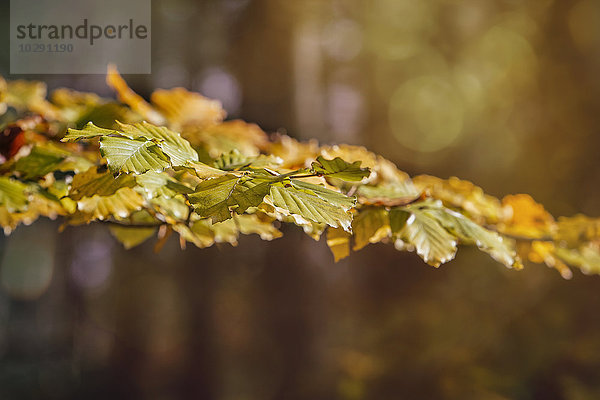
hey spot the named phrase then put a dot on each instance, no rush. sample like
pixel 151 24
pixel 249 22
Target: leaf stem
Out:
pixel 134 225
pixel 304 176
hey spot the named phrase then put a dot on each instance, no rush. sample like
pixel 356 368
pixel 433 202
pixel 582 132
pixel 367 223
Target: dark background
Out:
pixel 503 93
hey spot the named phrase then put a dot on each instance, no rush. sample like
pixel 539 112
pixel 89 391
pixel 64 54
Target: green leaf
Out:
pixel 587 258
pixel 118 206
pixel 573 230
pixel 398 218
pixel 440 227
pixel 157 184
pixel 90 131
pixel 338 168
pixel 314 203
pixel 234 160
pixel 92 182
pixel 132 155
pixel 171 143
pixel 12 194
pixel 102 114
pixel 139 147
pixel 202 170
pixel 214 197
pixel 371 225
pixel 131 236
pixel 469 232
pixel 422 230
pixel 39 162
pixel 391 194
pixel 331 196
pixel 231 161
pixel 173 209
pixel 204 234
pixel 39 202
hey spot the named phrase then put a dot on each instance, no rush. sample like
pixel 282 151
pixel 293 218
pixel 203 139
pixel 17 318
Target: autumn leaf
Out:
pixel 210 180
pixel 94 182
pixel 338 168
pixel 294 154
pixel 131 236
pixel 526 218
pixel 234 160
pixel 238 135
pixel 182 108
pixel 179 150
pixel 39 162
pixel 586 257
pixel 125 155
pixel 132 99
pixel 462 194
pixel 217 198
pixel 118 206
pixel 545 252
pixel 371 225
pixel 12 194
pixel 388 194
pixel 577 229
pixel 422 230
pixel 469 232
pixel 338 241
pixel 313 202
pixel 138 148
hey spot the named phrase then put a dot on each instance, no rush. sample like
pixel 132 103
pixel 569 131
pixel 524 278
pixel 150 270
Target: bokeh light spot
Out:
pixel 92 264
pixel 28 263
pixel 345 111
pixel 342 39
pixel 217 83
pixel 426 114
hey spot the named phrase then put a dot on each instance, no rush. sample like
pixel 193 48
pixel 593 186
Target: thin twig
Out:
pixel 305 176
pixel 134 225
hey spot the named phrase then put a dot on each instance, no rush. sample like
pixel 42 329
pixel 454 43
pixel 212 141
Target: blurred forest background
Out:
pixel 505 93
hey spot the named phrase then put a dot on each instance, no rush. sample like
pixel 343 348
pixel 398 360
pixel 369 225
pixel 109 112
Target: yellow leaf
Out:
pixel 544 252
pixel 338 241
pixel 238 135
pixel 30 95
pixel 577 229
pixel 131 98
pixel 526 218
pixel 183 108
pixel 294 154
pixel 586 257
pixel 371 225
pixel 3 87
pixel 131 236
pixel 463 194
pixel 258 224
pixel 119 206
